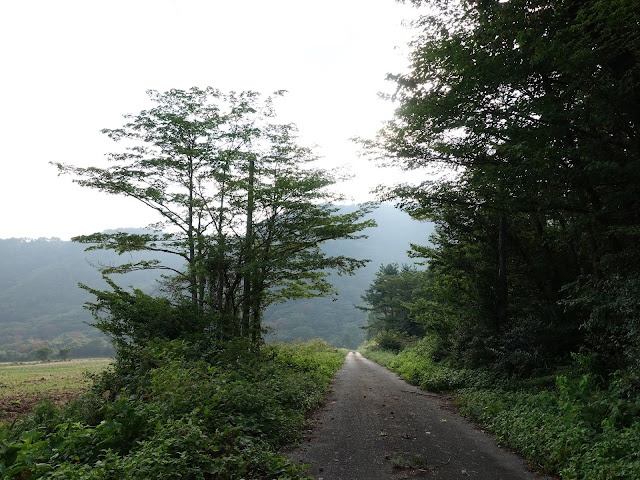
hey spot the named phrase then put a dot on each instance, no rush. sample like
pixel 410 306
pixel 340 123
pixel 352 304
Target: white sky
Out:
pixel 69 68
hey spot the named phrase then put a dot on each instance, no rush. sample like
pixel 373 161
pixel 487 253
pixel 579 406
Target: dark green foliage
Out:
pixel 177 409
pixel 389 297
pixel 532 106
pixel 64 353
pixel 612 303
pixel 44 354
pixel 133 318
pixel 392 341
pixel 416 364
pixel 578 430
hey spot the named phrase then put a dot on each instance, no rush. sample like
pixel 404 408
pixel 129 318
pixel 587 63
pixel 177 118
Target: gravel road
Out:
pixel 377 426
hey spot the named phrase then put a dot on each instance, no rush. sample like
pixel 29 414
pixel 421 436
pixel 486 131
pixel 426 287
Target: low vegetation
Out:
pixel 178 409
pixel 572 422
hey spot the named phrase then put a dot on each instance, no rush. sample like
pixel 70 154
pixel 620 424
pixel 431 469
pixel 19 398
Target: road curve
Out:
pixel 375 423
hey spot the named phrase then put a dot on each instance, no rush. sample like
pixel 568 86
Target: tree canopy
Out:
pixel 240 202
pixel 532 106
pixel 389 297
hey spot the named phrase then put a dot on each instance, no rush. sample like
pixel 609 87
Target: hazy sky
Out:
pixel 70 68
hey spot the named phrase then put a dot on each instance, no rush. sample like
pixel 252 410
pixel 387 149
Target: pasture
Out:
pixel 23 385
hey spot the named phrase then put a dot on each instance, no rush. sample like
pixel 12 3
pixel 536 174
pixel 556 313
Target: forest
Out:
pixel 529 112
pixel 520 119
pixel 535 253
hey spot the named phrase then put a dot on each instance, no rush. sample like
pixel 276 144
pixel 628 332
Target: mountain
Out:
pixel 41 302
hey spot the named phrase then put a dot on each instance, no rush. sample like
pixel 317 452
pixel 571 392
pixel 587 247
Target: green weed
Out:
pixel 180 416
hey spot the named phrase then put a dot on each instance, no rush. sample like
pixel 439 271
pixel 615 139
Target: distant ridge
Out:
pixel 40 300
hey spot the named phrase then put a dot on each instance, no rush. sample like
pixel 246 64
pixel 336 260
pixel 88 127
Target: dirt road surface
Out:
pixel 376 426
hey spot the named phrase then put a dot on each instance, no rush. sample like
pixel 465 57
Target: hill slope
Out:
pixel 41 302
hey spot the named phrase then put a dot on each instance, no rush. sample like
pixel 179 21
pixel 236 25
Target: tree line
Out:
pixel 529 111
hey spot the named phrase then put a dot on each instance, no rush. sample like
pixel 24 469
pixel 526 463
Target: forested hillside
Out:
pixel 41 303
pixel 40 300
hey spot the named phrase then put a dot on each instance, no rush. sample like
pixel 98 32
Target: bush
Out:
pixel 64 353
pixel 391 341
pixel 224 415
pixel 43 354
pixel 415 364
pixel 574 431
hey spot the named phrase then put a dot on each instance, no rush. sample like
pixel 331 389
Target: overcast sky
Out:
pixel 70 68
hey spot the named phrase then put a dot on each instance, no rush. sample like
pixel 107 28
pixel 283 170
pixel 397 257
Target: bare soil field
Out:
pixel 24 385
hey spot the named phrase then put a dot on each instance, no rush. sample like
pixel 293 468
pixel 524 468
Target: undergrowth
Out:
pixel 178 410
pixel 573 424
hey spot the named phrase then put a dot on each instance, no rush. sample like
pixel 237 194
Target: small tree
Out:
pixel 64 354
pixel 43 354
pixel 389 298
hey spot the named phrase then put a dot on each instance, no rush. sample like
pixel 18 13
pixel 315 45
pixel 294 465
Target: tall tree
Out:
pixel 533 105
pixel 239 201
pixel 389 298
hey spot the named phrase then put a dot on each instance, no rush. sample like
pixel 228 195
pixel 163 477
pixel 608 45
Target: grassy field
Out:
pixel 23 385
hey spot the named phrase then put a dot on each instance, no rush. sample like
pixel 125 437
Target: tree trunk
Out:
pixel 503 298
pixel 193 288
pixel 246 284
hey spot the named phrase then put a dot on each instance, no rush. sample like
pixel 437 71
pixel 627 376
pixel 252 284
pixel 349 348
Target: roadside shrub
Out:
pixel 415 364
pixel 576 430
pixel 392 340
pixel 178 417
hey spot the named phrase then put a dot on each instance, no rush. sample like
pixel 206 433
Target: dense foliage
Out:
pixel 529 110
pixel 388 298
pixel 235 198
pixel 180 409
pixel 532 109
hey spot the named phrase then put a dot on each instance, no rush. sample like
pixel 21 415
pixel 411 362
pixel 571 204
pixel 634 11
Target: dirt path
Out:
pixel 376 426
